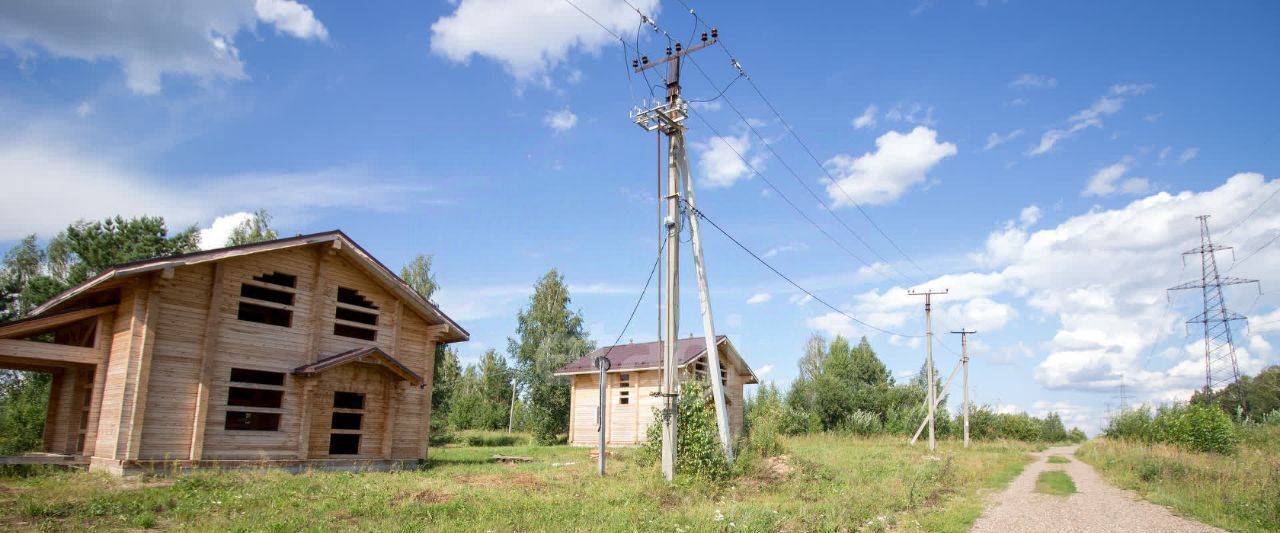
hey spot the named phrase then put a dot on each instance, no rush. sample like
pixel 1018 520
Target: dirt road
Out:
pixel 1096 506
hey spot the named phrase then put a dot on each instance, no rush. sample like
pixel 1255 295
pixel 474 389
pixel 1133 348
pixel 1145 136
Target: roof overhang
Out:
pixel 723 344
pixel 451 332
pixel 371 355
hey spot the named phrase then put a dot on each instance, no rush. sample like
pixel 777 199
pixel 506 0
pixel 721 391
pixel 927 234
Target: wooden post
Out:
pixel 143 374
pixel 102 343
pixel 208 354
pixel 394 391
pixel 314 325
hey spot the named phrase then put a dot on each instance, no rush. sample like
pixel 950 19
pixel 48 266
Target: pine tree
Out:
pixel 549 336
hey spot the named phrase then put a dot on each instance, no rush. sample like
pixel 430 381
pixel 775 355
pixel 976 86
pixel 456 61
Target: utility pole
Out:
pixel 964 361
pixel 928 362
pixel 1124 396
pixel 1220 364
pixel 602 364
pixel 667 117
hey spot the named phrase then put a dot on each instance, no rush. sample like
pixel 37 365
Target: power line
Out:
pixel 1255 252
pixel 700 214
pixel 643 291
pixel 1251 213
pixel 809 151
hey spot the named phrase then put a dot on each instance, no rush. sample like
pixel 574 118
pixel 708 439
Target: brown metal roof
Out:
pixel 372 354
pixel 645 355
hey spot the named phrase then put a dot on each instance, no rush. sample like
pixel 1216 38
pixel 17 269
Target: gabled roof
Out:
pixel 379 272
pixel 372 354
pixel 648 356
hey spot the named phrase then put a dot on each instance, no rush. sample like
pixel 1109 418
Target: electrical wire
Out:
pixel 1253 253
pixel 702 215
pixel 643 291
pixel 1251 213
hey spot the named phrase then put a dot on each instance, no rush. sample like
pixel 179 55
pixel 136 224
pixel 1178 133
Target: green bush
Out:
pixel 859 422
pixel 1192 426
pixel 699 454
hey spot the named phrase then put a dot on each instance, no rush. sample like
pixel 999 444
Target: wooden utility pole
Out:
pixel 928 361
pixel 964 361
pixel 667 117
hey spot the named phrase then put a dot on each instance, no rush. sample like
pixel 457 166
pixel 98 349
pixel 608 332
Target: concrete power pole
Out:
pixel 964 361
pixel 928 333
pixel 667 117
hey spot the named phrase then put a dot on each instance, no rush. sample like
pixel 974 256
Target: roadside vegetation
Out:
pixel 1056 483
pixel 1058 460
pixel 822 482
pixel 1196 459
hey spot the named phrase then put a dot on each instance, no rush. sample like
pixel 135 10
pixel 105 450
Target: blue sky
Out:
pixel 1043 161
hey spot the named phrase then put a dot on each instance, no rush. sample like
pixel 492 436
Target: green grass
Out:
pixel 1235 492
pixel 833 483
pixel 1058 460
pixel 1055 482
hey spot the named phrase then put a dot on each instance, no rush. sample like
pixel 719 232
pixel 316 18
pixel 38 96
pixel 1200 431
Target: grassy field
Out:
pixel 824 483
pixel 1236 492
pixel 1055 482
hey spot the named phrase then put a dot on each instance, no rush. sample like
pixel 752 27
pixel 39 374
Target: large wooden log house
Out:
pixel 299 352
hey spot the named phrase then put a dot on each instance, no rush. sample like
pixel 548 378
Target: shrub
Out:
pixel 763 424
pixel 862 423
pixel 1131 424
pixel 699 453
pixel 1198 428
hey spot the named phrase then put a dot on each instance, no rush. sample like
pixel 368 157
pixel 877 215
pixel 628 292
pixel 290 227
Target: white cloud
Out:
pixel 793 247
pixel 720 160
pixel 151 38
pixel 531 37
pixel 759 298
pixel 1188 154
pixel 996 139
pixel 216 235
pixel 867 119
pixel 1029 215
pixel 1077 416
pixel 913 113
pixel 107 185
pixel 560 121
pixel 982 314
pixel 899 162
pixel 84 109
pixel 292 18
pixel 1090 117
pixel 764 370
pixel 799 300
pixel 1111 180
pixel 1033 81
pixel 831 324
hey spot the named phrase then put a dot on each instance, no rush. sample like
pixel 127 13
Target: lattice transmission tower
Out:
pixel 1220 366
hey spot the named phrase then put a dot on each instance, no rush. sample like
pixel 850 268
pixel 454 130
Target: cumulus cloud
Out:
pixel 720 160
pixel 1112 180
pixel 151 38
pixel 531 37
pixel 1188 154
pixel 764 370
pixel 899 162
pixel 759 298
pixel 867 119
pixel 1033 81
pixel 1089 117
pixel 216 235
pixel 560 121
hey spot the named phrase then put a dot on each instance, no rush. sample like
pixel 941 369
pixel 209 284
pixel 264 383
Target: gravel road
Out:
pixel 1096 505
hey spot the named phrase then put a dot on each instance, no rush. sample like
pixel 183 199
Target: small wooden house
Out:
pixel 296 352
pixel 634 376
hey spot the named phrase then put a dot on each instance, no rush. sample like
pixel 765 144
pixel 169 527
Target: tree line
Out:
pixel 846 388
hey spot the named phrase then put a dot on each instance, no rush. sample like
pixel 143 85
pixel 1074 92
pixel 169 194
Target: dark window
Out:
pixel 348 400
pixel 355 332
pixel 243 397
pixel 357 316
pixel 346 420
pixel 276 278
pixel 261 377
pixel 624 380
pixel 344 444
pixel 265 315
pixel 624 397
pixel 353 297
pixel 263 293
pixel 245 421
